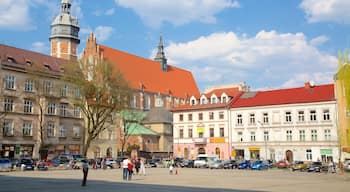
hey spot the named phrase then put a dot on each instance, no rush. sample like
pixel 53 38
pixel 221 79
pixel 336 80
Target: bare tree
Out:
pixel 103 93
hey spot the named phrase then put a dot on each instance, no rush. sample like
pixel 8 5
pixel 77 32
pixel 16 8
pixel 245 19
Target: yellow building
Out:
pixel 342 90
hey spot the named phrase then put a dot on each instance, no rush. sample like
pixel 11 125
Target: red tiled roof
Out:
pixel 140 71
pixel 286 96
pixel 21 57
pixel 231 92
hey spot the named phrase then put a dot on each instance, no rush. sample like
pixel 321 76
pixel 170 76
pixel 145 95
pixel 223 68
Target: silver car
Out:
pixel 346 165
pixel 218 164
pixel 5 164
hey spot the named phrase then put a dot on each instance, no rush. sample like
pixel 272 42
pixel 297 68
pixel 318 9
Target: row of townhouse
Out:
pixel 291 124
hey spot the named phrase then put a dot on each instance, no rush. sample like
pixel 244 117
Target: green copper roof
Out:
pixel 137 129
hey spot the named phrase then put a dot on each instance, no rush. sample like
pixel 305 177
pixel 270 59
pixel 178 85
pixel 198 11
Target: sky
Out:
pixel 268 44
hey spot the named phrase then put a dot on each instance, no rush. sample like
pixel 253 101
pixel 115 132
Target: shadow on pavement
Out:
pixel 28 184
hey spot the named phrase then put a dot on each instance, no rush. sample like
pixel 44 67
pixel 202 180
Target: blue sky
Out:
pixel 265 43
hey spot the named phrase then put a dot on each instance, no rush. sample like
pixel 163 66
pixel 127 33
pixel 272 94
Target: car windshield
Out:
pixel 4 161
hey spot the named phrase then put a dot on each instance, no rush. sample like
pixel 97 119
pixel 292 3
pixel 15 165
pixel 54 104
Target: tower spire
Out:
pixel 160 57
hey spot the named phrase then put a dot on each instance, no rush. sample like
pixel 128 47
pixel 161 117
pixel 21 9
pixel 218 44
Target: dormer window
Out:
pixel 204 101
pixel 213 100
pixel 10 59
pixel 193 102
pixel 224 99
pixel 28 62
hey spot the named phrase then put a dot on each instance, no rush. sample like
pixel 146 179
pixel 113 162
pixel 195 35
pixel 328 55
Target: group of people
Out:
pixel 133 166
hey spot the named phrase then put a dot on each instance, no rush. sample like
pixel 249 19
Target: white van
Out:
pixel 203 160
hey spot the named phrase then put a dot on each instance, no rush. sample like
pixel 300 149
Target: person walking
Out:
pixel 125 163
pixel 130 169
pixel 85 172
pixel 142 167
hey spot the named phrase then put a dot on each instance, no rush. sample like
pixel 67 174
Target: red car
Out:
pixel 282 164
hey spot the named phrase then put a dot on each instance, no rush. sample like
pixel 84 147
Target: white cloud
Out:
pixel 14 14
pixel 155 12
pixel 319 40
pixel 107 12
pixel 266 59
pixel 110 11
pixel 327 10
pixel 41 47
pixel 103 33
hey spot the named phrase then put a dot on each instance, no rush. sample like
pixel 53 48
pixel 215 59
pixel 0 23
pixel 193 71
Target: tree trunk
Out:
pixel 86 146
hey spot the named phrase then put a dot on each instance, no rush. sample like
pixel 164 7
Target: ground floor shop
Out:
pixel 288 152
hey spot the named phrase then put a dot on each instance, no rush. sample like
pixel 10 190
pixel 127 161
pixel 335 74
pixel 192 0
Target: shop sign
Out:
pixel 199 140
pixel 346 149
pixel 217 140
pixel 17 149
pixel 200 129
pixel 326 151
pixel 254 148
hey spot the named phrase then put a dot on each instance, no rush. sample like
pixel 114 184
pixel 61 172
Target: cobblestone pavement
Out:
pixel 188 180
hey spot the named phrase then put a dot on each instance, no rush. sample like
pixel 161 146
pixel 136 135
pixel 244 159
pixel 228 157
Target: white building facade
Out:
pixel 291 124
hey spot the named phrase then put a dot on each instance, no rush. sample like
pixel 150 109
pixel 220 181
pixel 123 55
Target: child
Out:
pixel 171 169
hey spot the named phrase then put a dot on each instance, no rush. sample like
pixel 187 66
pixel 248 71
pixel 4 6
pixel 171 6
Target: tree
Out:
pixel 343 73
pixel 131 119
pixel 102 90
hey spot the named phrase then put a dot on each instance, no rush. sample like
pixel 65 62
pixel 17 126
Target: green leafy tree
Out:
pixel 102 91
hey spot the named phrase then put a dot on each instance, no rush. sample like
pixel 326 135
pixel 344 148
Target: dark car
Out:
pixel 244 164
pixel 230 164
pixel 315 167
pixel 26 164
pixel 187 163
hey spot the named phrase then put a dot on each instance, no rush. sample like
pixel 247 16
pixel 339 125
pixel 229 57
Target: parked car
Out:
pixel 346 165
pixel 156 162
pixel 187 163
pixel 26 164
pixel 259 165
pixel 5 164
pixel 282 164
pixel 299 165
pixel 315 166
pixel 217 164
pixel 203 160
pixel 244 164
pixel 230 164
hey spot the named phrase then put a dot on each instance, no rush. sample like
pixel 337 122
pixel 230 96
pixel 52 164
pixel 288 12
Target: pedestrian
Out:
pixel 137 166
pixel 125 163
pixel 85 172
pixel 142 166
pixel 171 169
pixel 130 169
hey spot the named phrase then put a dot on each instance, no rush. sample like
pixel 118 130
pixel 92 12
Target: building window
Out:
pixel 200 116
pixel 181 133
pixel 8 105
pixel 62 131
pixel 313 115
pixel 200 135
pixel 110 135
pixel 213 100
pixel 252 118
pixel 203 101
pixel 193 102
pixel 221 115
pixel 64 109
pixel 266 136
pixel 224 100
pixel 252 136
pixel 51 109
pixel 50 129
pixel 133 102
pixel 29 85
pixel 289 135
pixel 76 131
pixel 27 128
pixel 190 117
pixel 222 132
pixel 313 135
pixel 211 115
pixel 28 106
pixel 181 117
pixel 301 117
pixel 190 133
pixel 77 93
pixel 10 82
pixel 266 118
pixel 308 154
pixel 48 87
pixel 326 115
pixel 211 132
pixel 8 127
pixel 76 111
pixel 288 117
pixel 64 91
pixel 148 102
pixel 240 136
pixel 239 119
pixel 302 135
pixel 327 134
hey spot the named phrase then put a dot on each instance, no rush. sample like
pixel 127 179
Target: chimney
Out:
pixel 309 85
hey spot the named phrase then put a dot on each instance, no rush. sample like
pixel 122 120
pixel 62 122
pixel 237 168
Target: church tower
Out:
pixel 160 57
pixel 64 38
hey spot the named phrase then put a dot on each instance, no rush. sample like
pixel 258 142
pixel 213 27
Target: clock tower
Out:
pixel 64 39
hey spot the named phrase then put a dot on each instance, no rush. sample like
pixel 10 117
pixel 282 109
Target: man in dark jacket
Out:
pixel 85 172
